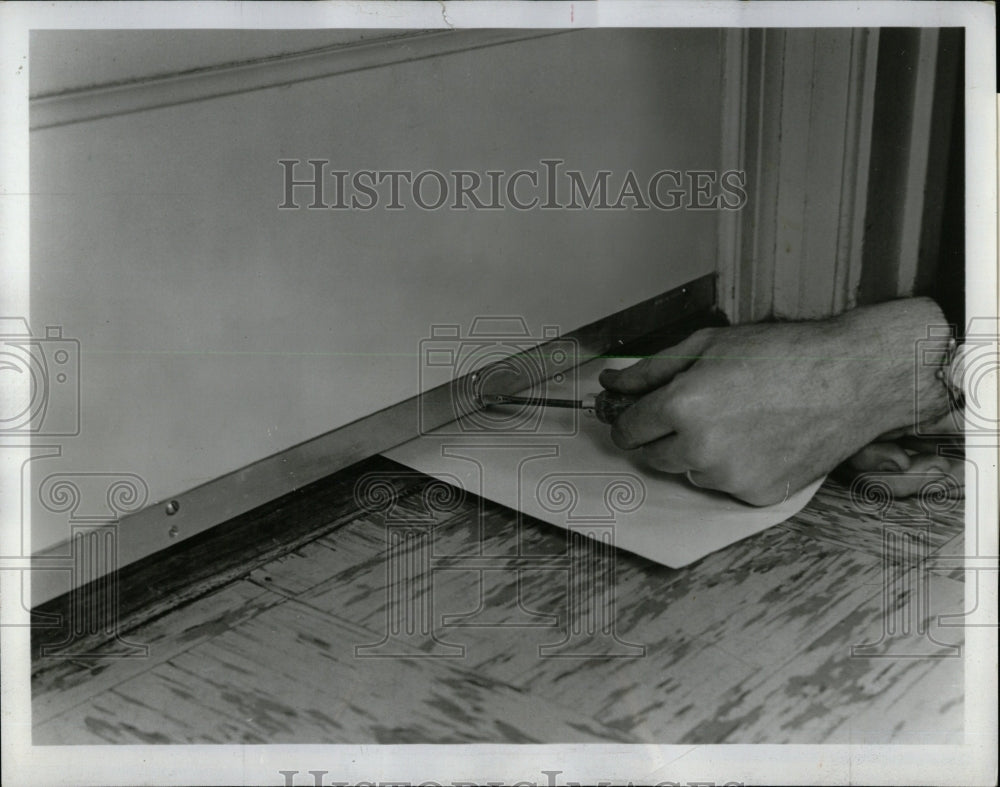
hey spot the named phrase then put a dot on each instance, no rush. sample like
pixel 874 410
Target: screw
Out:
pixel 172 507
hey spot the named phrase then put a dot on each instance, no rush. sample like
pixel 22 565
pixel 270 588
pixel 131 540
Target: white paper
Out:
pixel 563 468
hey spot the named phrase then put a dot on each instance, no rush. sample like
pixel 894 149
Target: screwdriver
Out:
pixel 606 405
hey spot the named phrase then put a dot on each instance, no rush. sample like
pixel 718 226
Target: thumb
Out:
pixel 657 370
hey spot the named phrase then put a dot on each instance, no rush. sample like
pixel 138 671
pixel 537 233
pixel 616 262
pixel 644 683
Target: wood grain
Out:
pixel 521 633
pixel 834 517
pixel 316 691
pixel 176 576
pixel 909 690
pixel 68 683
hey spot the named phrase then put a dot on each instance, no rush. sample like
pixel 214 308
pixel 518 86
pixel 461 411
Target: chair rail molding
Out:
pixel 186 86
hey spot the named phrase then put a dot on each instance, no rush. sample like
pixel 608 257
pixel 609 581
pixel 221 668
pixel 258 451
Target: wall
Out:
pixel 216 329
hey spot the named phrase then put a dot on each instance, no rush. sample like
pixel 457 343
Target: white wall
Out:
pixel 216 329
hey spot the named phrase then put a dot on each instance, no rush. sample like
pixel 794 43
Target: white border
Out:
pixel 973 763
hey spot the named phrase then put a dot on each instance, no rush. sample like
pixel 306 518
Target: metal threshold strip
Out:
pixel 640 328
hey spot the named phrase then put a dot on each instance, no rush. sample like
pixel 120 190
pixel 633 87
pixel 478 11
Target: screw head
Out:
pixel 172 507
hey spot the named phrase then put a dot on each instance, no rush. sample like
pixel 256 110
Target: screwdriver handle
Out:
pixel 608 405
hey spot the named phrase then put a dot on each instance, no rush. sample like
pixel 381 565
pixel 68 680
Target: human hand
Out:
pixel 907 464
pixel 760 411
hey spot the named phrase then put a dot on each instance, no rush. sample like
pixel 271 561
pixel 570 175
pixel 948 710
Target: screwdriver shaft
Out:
pixel 537 401
pixel 607 406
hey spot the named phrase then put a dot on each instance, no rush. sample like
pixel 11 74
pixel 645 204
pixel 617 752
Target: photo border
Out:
pixel 973 762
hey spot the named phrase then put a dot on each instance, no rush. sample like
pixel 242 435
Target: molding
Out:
pixel 857 161
pixel 735 47
pixel 172 521
pixel 76 106
pixel 798 116
pixel 917 161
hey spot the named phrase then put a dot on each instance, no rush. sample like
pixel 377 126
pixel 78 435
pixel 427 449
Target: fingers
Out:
pixel 924 471
pixel 912 475
pixel 881 456
pixel 669 455
pixel 651 418
pixel 666 455
pixel 657 370
pixel 700 480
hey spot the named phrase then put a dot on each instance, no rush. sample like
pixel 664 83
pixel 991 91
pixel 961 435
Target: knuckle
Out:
pixel 704 336
pixel 684 399
pixel 656 461
pixel 666 410
pixel 760 497
pixel 673 410
pixel 656 457
pixel 699 454
pixel 704 451
pixel 725 474
pixel 643 372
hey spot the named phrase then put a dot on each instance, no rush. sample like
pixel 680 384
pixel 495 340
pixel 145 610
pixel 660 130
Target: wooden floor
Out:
pixel 415 617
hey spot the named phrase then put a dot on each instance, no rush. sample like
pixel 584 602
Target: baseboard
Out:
pixel 97 549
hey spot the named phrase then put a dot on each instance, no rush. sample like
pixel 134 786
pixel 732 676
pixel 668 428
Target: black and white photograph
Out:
pixel 517 393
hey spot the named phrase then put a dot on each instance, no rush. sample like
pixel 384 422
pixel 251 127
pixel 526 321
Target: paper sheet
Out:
pixel 560 466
